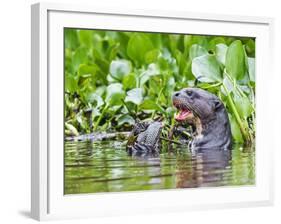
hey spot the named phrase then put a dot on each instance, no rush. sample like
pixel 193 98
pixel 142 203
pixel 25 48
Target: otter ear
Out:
pixel 217 104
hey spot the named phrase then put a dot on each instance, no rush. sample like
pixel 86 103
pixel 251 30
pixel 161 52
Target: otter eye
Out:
pixel 188 92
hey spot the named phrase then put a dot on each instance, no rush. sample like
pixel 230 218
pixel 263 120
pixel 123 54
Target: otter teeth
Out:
pixel 183 113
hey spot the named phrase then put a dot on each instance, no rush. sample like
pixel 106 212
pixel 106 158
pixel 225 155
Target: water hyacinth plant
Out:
pixel 113 78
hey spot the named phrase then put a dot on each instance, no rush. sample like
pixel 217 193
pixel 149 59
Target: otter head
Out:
pixel 195 103
pixel 204 111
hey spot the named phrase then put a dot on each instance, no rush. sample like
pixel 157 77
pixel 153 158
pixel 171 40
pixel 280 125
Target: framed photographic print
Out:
pixel 148 111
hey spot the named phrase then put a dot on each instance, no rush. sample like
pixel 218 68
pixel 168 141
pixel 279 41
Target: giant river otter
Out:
pixel 207 115
pixel 198 108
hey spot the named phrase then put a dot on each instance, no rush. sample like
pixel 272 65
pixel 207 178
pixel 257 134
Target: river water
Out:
pixel 104 166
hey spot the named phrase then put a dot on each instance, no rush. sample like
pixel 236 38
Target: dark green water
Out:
pixel 106 167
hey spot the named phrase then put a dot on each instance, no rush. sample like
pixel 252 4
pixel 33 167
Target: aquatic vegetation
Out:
pixel 113 78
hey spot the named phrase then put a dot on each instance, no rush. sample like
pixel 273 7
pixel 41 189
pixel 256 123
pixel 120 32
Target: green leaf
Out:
pixel 206 68
pixel 243 105
pixel 138 45
pixel 114 94
pixel 119 68
pixel 171 111
pixel 196 50
pixel 135 96
pixel 129 81
pixel 70 83
pixel 152 56
pixel 152 70
pixel 71 38
pixel 187 41
pixel 235 130
pixel 112 51
pixel 183 64
pixel 251 65
pixel 215 41
pixel 149 104
pixel 103 66
pixel 110 79
pixel 156 39
pixel 86 69
pixel 95 100
pixel 113 108
pixel 72 129
pixel 125 119
pixel 86 37
pixel 81 120
pixel 79 57
pixel 96 112
pixel 228 85
pixel 220 52
pixel 250 47
pixel 170 85
pixel 235 60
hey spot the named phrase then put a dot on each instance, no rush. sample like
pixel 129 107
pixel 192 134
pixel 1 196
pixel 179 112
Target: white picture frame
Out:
pixel 48 201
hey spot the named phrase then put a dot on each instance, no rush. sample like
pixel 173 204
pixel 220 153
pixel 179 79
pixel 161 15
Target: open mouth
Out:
pixel 182 114
pixel 183 111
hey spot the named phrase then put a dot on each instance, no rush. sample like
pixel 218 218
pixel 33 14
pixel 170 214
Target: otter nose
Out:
pixel 176 94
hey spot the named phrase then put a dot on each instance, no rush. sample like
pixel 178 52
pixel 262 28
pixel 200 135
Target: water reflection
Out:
pixel 208 169
pixel 106 167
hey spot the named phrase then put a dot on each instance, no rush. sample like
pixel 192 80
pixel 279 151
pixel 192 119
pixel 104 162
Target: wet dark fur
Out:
pixel 209 118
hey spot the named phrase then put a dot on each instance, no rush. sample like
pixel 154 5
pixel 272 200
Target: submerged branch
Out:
pixel 171 141
pixel 99 136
